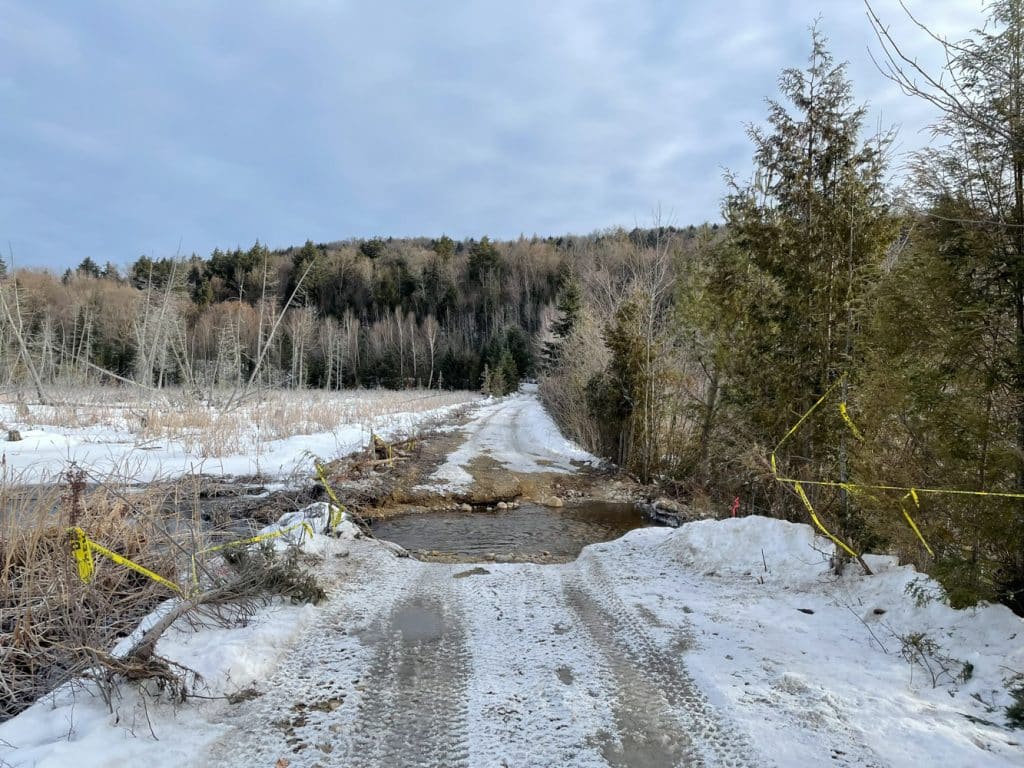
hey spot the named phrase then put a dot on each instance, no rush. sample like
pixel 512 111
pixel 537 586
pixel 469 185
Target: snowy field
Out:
pixel 116 433
pixel 718 643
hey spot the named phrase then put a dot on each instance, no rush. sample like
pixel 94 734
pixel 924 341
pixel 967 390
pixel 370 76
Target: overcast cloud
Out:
pixel 127 128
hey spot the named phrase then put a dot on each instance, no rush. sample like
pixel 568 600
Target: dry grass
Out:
pixel 51 624
pixel 56 629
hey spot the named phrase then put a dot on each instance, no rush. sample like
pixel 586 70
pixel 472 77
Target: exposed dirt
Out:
pixel 402 486
pixel 384 481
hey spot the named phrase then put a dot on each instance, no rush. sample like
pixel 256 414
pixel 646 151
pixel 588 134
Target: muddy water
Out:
pixel 527 533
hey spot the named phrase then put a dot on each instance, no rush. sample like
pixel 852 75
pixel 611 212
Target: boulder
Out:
pixel 13 435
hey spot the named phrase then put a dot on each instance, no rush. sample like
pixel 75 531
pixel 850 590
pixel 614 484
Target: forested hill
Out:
pixel 379 312
pixel 683 355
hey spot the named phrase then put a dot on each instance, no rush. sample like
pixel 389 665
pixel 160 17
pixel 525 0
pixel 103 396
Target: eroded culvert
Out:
pixel 530 533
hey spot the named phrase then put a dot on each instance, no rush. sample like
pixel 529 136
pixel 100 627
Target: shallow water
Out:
pixel 529 532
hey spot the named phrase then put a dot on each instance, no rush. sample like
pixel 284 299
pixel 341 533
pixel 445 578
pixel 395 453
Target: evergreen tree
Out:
pixel 304 259
pixel 936 405
pixel 981 97
pixel 372 249
pixel 88 267
pixel 971 248
pixel 484 262
pixel 804 241
pixel 509 372
pixel 444 247
pixel 569 306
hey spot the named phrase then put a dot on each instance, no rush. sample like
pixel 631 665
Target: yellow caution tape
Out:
pixel 245 542
pixel 337 508
pixel 83 547
pixel 803 418
pixel 814 516
pixel 849 422
pixel 261 537
pixel 83 554
pixel 910 521
pixel 912 493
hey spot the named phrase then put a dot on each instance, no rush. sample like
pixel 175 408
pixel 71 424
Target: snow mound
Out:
pixel 775 549
pixel 294 527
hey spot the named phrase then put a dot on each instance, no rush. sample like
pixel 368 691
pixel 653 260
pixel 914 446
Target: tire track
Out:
pixel 416 711
pixel 662 716
pixel 301 714
pixel 539 693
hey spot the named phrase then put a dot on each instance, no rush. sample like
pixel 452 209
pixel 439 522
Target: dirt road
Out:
pixel 454 665
pixel 429 664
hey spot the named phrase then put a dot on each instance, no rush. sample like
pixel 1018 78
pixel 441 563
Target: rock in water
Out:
pixel 668 505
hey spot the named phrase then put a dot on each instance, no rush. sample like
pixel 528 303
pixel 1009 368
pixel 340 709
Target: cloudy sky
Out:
pixel 133 128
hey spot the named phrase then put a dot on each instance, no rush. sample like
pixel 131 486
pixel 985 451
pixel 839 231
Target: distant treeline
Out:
pixel 379 312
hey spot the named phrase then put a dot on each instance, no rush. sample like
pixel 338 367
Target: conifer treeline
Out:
pixel 910 305
pixel 382 312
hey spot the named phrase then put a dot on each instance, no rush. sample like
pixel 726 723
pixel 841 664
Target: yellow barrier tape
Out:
pixel 910 520
pixel 912 493
pixel 849 422
pixel 904 488
pixel 83 554
pixel 803 418
pixel 814 516
pixel 84 547
pixel 337 508
pixel 245 542
pixel 261 537
pixel 796 483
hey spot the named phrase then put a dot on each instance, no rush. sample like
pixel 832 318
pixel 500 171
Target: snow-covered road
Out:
pixel 456 665
pixel 518 434
pixel 663 648
pixel 721 643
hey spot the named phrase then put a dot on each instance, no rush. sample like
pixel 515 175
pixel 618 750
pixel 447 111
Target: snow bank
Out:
pixel 773 550
pixel 815 664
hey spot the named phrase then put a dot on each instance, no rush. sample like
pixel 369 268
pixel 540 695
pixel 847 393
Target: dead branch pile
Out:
pixel 54 628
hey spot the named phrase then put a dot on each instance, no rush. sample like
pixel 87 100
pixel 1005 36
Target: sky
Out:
pixel 154 128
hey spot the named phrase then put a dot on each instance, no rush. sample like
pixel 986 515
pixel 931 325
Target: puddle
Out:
pixel 530 532
pixel 418 623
